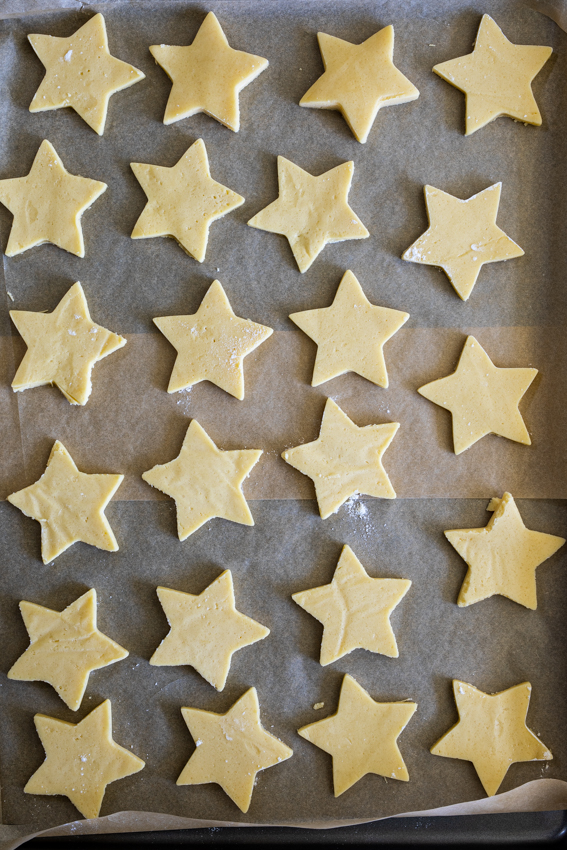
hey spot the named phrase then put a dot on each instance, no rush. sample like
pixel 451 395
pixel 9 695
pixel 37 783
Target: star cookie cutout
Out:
pixel 350 334
pixel 354 610
pixel 183 201
pixel 491 732
pixel 344 460
pixel 81 759
pixel 361 736
pixel 311 211
pixel 502 557
pixel 205 481
pixel 63 346
pixel 65 647
pixel 211 344
pixel 231 748
pixel 81 73
pixel 462 236
pixel 482 398
pixel 206 630
pixel 207 75
pixel 47 205
pixel 496 77
pixel 69 505
pixel 359 79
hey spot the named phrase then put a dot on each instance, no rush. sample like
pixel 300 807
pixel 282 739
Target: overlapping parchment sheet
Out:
pixel 517 312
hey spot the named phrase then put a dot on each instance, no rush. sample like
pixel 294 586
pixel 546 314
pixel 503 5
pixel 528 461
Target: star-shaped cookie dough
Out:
pixel 206 630
pixel 231 748
pixel 81 759
pixel 183 201
pixel 205 481
pixel 496 77
pixel 344 460
pixel 354 610
pixel 361 736
pixel 311 211
pixel 462 236
pixel 81 73
pixel 207 75
pixel 211 344
pixel 359 79
pixel 47 205
pixel 65 647
pixel 69 505
pixel 63 346
pixel 491 732
pixel 350 334
pixel 502 557
pixel 482 398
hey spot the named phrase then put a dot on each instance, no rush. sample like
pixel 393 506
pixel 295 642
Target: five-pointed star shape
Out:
pixel 482 398
pixel 344 460
pixel 63 347
pixel 65 647
pixel 496 77
pixel 231 748
pixel 47 205
pixel 361 736
pixel 354 609
pixel 69 505
pixel 350 334
pixel 81 759
pixel 462 236
pixel 311 211
pixel 81 73
pixel 359 79
pixel 207 75
pixel 183 201
pixel 205 481
pixel 211 344
pixel 206 630
pixel 491 732
pixel 502 557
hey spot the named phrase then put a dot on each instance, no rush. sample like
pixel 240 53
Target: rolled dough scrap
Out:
pixel 69 505
pixel 491 732
pixel 496 77
pixel 502 557
pixel 359 79
pixel 231 748
pixel 65 647
pixel 361 736
pixel 482 398
pixel 81 73
pixel 81 759
pixel 354 609
pixel 350 334
pixel 207 75
pixel 47 205
pixel 311 211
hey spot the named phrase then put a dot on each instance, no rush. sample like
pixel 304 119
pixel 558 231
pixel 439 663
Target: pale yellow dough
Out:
pixel 496 77
pixel 207 75
pixel 361 736
pixel 359 79
pixel 311 211
pixel 231 748
pixel 354 610
pixel 350 334
pixel 81 759
pixel 482 398
pixel 69 505
pixel 65 647
pixel 491 732
pixel 81 73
